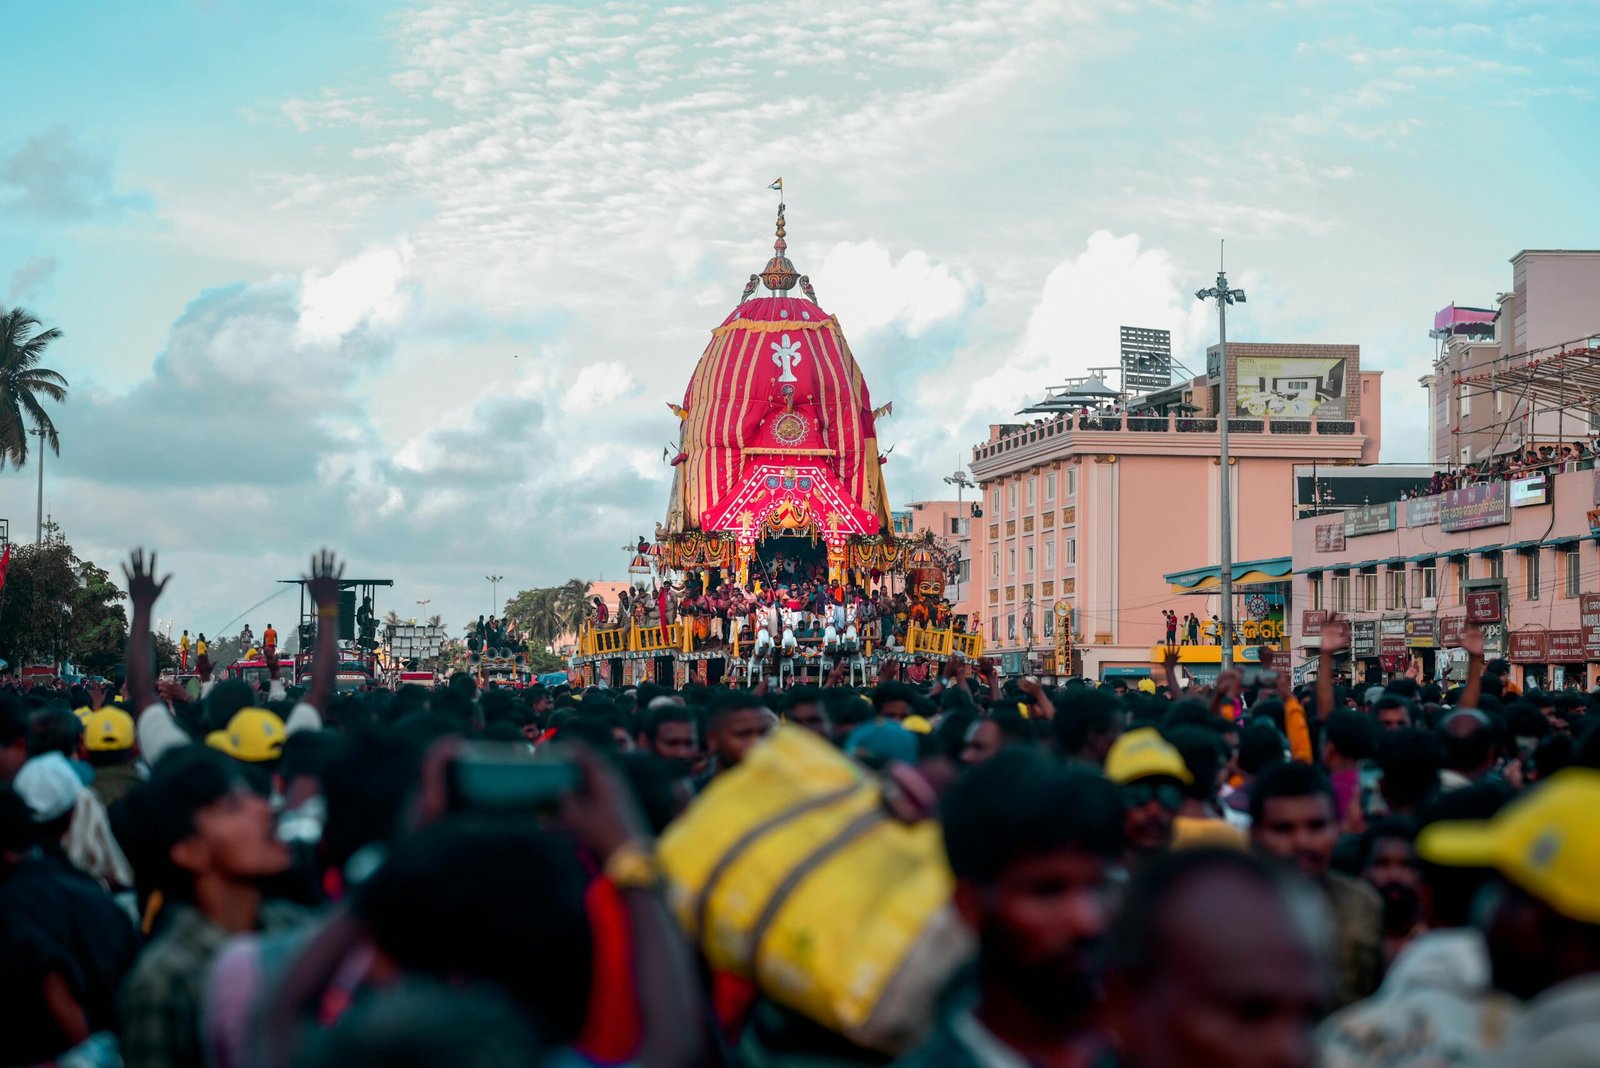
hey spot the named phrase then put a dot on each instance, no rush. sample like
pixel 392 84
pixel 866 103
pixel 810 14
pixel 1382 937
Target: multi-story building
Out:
pixel 1093 509
pixel 1554 304
pixel 1519 557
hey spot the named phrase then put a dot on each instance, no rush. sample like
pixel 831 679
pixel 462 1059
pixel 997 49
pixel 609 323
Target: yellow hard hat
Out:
pixel 1547 842
pixel 108 730
pixel 254 735
pixel 1144 754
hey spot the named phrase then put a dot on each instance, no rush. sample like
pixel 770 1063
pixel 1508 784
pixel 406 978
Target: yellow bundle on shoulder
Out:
pixel 789 871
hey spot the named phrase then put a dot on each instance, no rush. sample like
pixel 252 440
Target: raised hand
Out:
pixel 323 582
pixel 1472 641
pixel 143 589
pixel 1335 636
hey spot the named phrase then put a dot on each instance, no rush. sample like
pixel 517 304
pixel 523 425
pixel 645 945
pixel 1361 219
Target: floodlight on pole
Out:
pixel 1224 297
pixel 494 594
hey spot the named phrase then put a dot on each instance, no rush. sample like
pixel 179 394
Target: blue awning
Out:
pixel 1245 573
pixel 1568 540
pixel 1422 556
pixel 1485 550
pixel 1522 546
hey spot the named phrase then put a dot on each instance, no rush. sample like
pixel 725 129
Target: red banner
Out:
pixel 1483 606
pixel 1565 647
pixel 1311 621
pixel 1529 647
pixel 1451 628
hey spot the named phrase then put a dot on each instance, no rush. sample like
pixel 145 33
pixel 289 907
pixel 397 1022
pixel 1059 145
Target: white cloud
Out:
pixel 597 386
pixel 367 289
pixel 868 290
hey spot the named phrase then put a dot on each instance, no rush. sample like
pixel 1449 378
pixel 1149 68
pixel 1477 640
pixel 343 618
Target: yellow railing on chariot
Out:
pixel 929 641
pixel 632 638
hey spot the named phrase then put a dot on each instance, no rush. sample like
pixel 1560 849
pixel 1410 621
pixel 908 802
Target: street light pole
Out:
pixel 1224 297
pixel 494 594
pixel 38 529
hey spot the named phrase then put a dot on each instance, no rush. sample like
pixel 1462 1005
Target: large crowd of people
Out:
pixel 786 598
pixel 1237 874
pixel 1575 456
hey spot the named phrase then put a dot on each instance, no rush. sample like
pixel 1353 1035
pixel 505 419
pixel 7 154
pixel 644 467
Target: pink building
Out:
pixel 1554 301
pixel 1091 512
pixel 1520 555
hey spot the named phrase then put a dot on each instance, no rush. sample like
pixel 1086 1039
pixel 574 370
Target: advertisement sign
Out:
pixel 1529 646
pixel 1311 621
pixel 1483 606
pixel 1589 619
pixel 1364 639
pixel 1062 614
pixel 1421 632
pixel 1391 638
pixel 1330 537
pixel 1594 521
pixel 1369 519
pixel 1290 388
pixel 1278 660
pixel 1564 647
pixel 1482 504
pixel 1450 630
pixel 1423 511
pixel 1526 492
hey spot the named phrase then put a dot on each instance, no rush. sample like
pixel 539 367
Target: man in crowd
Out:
pixel 1543 917
pixel 65 947
pixel 1151 778
pixel 1294 820
pixel 735 722
pixel 669 733
pixel 1032 844
pixel 1436 1005
pixel 1187 991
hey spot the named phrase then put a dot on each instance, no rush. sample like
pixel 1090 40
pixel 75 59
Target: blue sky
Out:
pixel 415 281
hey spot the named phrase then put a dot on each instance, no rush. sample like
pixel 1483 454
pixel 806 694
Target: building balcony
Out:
pixel 1334 438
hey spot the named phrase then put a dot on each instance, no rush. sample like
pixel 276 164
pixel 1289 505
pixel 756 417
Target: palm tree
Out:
pixel 22 380
pixel 435 621
pixel 572 602
pixel 392 619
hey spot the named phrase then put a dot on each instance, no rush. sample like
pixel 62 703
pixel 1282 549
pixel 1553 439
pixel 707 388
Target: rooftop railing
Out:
pixel 1030 434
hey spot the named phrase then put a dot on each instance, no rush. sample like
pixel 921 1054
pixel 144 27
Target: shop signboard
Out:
pixel 1423 511
pixel 1278 660
pixel 1391 638
pixel 1369 519
pixel 1589 618
pixel 1483 606
pixel 1482 504
pixel 1494 640
pixel 1528 646
pixel 1311 621
pixel 1364 638
pixel 1565 647
pixel 1330 537
pixel 1421 633
pixel 1450 630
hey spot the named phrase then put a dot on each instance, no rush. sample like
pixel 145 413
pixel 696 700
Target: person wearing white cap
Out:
pixel 77 819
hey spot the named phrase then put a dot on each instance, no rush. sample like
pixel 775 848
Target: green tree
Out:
pixel 22 383
pixel 35 605
pixel 166 651
pixel 98 628
pixel 536 614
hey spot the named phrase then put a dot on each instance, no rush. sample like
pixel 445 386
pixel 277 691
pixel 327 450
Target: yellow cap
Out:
pixel 82 713
pixel 1547 842
pixel 1147 685
pixel 1144 754
pixel 253 735
pixel 108 730
pixel 917 725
